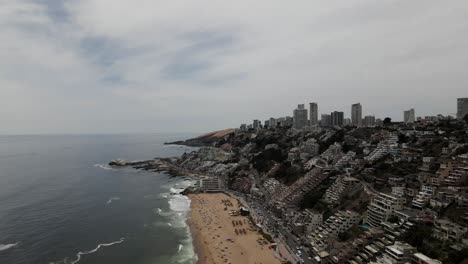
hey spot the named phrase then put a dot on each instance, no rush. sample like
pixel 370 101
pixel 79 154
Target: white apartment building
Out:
pixel 382 207
pixel 300 118
pixel 314 220
pixel 335 192
pixel 397 253
pixel 398 191
pixel 210 184
pixel 336 224
pixel 424 195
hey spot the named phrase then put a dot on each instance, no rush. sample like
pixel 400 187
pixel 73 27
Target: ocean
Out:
pixel 61 204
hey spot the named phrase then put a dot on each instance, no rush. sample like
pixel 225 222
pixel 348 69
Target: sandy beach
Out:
pixel 222 238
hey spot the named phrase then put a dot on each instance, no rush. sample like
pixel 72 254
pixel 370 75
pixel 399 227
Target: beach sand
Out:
pixel 214 233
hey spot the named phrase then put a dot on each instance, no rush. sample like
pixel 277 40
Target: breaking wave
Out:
pixel 112 199
pixel 79 254
pixel 7 246
pixel 103 166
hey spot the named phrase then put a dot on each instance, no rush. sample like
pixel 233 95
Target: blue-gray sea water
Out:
pixel 61 203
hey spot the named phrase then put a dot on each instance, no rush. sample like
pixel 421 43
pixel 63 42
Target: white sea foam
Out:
pixel 179 207
pixel 78 256
pixel 7 246
pixel 112 199
pixel 103 166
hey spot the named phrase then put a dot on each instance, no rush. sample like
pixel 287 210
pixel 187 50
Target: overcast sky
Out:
pixel 122 66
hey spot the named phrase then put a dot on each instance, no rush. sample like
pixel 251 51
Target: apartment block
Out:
pixel 382 207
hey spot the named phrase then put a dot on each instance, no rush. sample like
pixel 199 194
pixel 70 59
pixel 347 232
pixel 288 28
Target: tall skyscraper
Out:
pixel 409 116
pixel 313 114
pixel 356 114
pixel 337 118
pixel 462 107
pixel 300 117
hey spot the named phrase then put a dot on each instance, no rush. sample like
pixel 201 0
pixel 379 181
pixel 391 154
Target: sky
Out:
pixel 144 66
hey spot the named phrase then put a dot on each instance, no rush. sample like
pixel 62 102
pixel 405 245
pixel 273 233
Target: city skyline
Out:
pixel 356 115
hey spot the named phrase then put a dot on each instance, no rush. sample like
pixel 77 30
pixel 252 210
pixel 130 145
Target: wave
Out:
pixel 103 166
pixel 78 256
pixel 7 246
pixel 112 199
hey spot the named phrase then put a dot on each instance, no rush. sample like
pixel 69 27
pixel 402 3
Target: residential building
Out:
pixel 409 116
pixel 300 117
pixel 419 258
pixel 379 122
pixel 273 122
pixel 462 107
pixel 257 124
pixel 368 121
pixel 325 121
pixel 334 225
pixel 356 114
pixel 423 197
pixel 210 184
pixel 347 122
pixel 382 207
pixel 243 127
pixel 447 230
pixel 339 188
pixel 397 253
pixel 337 118
pixel 313 114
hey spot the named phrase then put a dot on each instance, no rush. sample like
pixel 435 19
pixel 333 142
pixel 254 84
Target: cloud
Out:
pixel 86 66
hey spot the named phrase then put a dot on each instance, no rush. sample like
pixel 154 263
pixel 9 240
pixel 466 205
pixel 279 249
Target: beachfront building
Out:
pixel 382 207
pixel 210 184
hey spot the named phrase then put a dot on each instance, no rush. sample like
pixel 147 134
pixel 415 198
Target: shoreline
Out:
pixel 200 253
pixel 219 237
